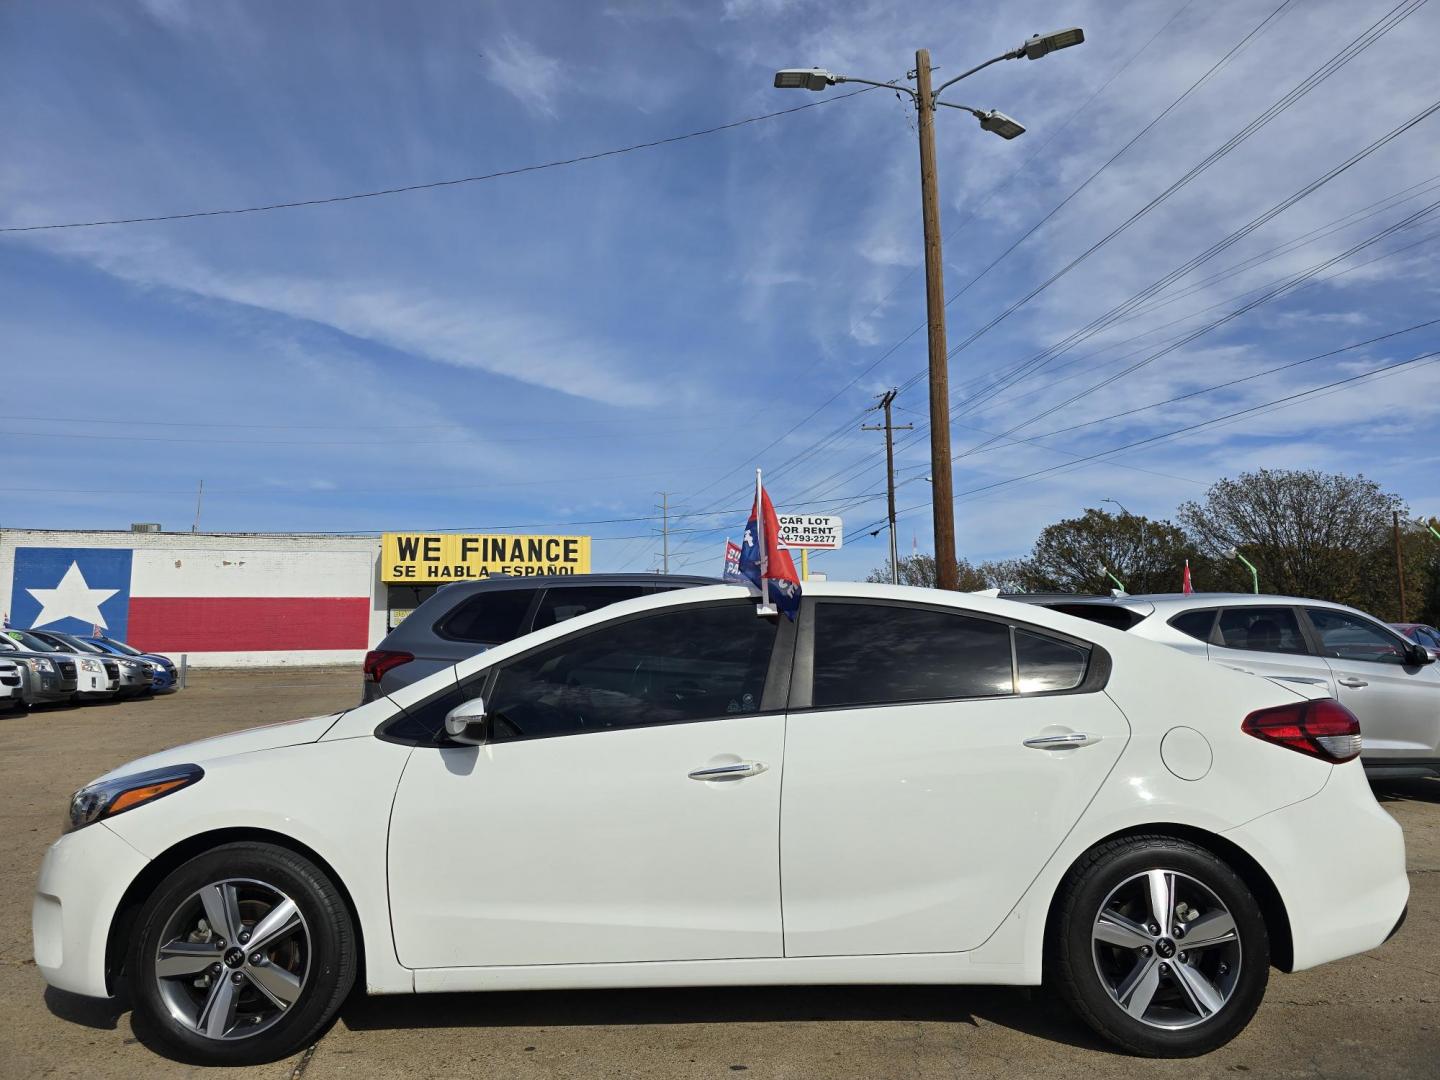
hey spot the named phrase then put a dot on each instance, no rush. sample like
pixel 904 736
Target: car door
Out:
pixel 1398 703
pixel 920 801
pixel 625 806
pixel 1267 640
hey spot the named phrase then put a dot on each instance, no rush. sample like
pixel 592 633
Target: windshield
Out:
pixel 128 650
pixel 79 644
pixel 33 643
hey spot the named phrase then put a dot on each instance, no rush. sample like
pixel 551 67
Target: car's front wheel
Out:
pixel 242 955
pixel 1159 946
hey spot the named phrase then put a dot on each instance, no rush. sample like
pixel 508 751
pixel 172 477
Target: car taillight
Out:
pixel 1324 729
pixel 379 661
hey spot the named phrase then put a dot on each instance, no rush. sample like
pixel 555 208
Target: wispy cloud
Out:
pixel 521 69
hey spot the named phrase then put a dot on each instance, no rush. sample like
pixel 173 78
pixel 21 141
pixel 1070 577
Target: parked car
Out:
pixel 974 791
pixel 1421 634
pixel 1388 681
pixel 95 680
pixel 12 683
pixel 136 676
pixel 50 677
pixel 166 677
pixel 468 617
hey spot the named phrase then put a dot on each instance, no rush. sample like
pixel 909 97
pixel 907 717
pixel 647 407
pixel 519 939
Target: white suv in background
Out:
pixel 1391 683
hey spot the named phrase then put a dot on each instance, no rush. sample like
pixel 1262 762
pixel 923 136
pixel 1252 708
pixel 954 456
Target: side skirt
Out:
pixel 773 971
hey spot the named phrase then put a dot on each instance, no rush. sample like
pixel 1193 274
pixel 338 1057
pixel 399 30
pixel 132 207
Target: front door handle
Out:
pixel 738 771
pixel 1069 740
pixel 1352 682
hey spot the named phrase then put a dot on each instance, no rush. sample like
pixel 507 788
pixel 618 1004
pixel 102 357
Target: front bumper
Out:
pixel 1338 861
pixel 133 683
pixel 45 687
pixel 82 881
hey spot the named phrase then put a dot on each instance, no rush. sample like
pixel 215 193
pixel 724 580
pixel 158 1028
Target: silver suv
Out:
pixel 469 617
pixel 1391 683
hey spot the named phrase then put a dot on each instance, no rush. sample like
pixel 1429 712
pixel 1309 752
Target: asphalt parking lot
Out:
pixel 1374 1016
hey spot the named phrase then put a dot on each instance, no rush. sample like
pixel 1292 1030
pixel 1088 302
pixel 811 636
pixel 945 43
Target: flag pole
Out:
pixel 762 527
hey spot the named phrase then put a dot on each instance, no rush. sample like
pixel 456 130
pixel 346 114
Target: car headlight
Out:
pixel 39 663
pixel 91 665
pixel 107 798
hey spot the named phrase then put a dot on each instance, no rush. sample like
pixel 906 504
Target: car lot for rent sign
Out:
pixel 429 558
pixel 811 531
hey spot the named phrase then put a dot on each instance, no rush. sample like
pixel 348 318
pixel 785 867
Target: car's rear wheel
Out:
pixel 242 955
pixel 1159 946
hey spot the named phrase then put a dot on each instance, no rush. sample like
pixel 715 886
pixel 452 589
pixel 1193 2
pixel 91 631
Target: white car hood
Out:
pixel 267 737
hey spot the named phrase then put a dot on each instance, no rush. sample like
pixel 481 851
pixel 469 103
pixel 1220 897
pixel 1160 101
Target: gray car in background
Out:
pixel 1390 682
pixel 469 617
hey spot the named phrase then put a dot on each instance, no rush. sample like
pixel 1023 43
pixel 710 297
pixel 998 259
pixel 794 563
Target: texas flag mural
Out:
pixel 208 601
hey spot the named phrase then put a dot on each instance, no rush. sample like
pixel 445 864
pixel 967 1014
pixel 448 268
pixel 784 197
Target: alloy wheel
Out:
pixel 1166 949
pixel 233 958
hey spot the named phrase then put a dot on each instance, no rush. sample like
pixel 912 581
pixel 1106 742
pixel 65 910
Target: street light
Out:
pixel 1044 44
pixel 997 123
pixel 1254 574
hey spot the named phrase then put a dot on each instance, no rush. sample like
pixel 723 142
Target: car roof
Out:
pixel 541 581
pixel 1170 601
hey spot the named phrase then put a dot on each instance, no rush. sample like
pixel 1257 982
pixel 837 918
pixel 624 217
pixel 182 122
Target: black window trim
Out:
pixel 774 698
pixel 1097 671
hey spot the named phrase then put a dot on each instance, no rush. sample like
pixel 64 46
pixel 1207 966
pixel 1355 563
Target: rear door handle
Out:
pixel 1352 682
pixel 1069 740
pixel 738 771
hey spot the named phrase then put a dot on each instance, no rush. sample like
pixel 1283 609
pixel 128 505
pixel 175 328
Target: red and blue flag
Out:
pixel 764 561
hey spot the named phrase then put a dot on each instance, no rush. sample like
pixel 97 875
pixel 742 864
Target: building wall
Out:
pixel 222 599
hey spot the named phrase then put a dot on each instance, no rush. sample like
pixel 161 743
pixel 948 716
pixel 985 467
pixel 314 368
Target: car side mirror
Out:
pixel 466 722
pixel 1417 655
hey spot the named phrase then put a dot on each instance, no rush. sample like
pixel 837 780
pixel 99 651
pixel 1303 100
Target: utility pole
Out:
pixel 947 572
pixel 1399 562
pixel 947 575
pixel 199 498
pixel 665 530
pixel 889 428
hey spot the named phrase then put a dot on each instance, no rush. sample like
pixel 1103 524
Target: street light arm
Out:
pixel 966 108
pixel 892 85
pixel 1013 54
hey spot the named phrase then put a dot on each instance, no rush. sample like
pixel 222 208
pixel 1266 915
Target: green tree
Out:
pixel 1148 555
pixel 1008 574
pixel 1312 534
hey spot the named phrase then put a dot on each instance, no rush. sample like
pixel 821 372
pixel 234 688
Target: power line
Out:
pixel 1234 50
pixel 429 185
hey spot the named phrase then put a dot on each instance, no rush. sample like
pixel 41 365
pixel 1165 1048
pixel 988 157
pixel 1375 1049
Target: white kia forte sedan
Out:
pixel 903 786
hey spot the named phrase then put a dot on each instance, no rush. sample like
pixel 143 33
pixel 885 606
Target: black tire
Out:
pixel 1073 963
pixel 331 950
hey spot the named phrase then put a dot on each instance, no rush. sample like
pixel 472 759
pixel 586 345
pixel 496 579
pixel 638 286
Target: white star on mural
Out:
pixel 71 599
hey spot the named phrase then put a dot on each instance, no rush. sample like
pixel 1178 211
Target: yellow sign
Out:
pixel 434 558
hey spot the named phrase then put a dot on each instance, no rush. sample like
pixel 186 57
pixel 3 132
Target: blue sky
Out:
pixel 562 345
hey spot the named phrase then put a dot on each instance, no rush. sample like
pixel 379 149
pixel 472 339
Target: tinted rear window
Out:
pixel 1112 615
pixel 489 618
pixel 1197 624
pixel 870 653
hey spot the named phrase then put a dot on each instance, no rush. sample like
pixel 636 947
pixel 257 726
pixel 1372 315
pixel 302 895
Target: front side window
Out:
pixel 491 617
pixel 694 663
pixel 1349 637
pixel 1262 629
pixel 866 654
pixel 560 603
